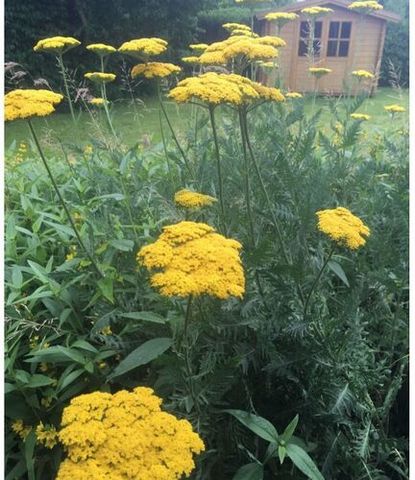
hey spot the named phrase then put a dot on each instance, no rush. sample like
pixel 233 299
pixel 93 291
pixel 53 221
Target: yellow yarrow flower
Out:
pixel 191 59
pixel 286 16
pixel 98 102
pixel 362 74
pixel 30 103
pixel 343 227
pixel 101 49
pixel 198 47
pixel 319 71
pixel 293 95
pixel 100 77
pixel 154 70
pixel 47 435
pixel 316 11
pixel 190 258
pixel 360 116
pixel 394 108
pixel 230 27
pixel 123 436
pixel 365 6
pixel 56 45
pixel 215 88
pixel 188 199
pixel 144 47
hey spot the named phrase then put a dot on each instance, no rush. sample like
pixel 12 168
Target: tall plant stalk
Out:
pixel 65 82
pixel 104 96
pixel 61 199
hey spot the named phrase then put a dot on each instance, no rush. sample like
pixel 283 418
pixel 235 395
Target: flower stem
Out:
pixel 65 82
pixel 317 279
pixel 218 163
pixel 81 243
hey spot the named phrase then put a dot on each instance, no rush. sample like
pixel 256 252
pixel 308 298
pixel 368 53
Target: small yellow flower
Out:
pixel 319 71
pixel 72 253
pixel 316 11
pixel 188 199
pixel 365 6
pixel 46 401
pixel 362 74
pixel 154 70
pixel 102 365
pixel 56 45
pixel 88 149
pixel 46 435
pixel 97 102
pixel 198 47
pixel 21 429
pixel 106 330
pixel 191 59
pixel 394 108
pixel 142 48
pixel 100 77
pixel 43 367
pixel 101 49
pixel 360 116
pixel 343 227
pixel 293 95
pixel 30 103
pixel 280 16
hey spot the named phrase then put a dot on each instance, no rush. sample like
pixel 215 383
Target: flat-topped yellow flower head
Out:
pixel 30 103
pixel 198 47
pixel 394 108
pixel 362 117
pixel 191 59
pixel 191 258
pixel 142 48
pixel 366 6
pixel 56 45
pixel 343 227
pixel 362 74
pixel 280 18
pixel 125 435
pixel 154 70
pixel 188 199
pixel 316 11
pixel 98 102
pixel 101 49
pixel 293 95
pixel 216 88
pixel 230 27
pixel 100 77
pixel 319 71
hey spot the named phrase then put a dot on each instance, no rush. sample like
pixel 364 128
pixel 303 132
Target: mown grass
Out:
pixel 141 122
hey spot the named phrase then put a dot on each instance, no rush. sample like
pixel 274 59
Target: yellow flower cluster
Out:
pixel 216 88
pixel 368 5
pixel 101 49
pixel 360 116
pixel 188 199
pixel 125 436
pixel 154 70
pixel 100 77
pixel 144 47
pixel 394 108
pixel 30 103
pixel 191 59
pixel 192 259
pixel 198 47
pixel 319 71
pixel 267 64
pixel 316 11
pixel 241 46
pixel 343 227
pixel 47 435
pixel 97 101
pixel 293 95
pixel 57 45
pixel 239 29
pixel 21 429
pixel 72 253
pixel 280 16
pixel 362 74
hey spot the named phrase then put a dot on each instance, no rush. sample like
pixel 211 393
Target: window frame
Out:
pixel 304 40
pixel 339 38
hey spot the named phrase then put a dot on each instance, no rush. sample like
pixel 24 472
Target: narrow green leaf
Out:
pixel 123 245
pixel 38 380
pixel 142 355
pixel 281 453
pixel 290 429
pixel 258 425
pixel 29 447
pixel 337 269
pixel 251 471
pixel 146 316
pixel 71 377
pixel 106 286
pixel 303 462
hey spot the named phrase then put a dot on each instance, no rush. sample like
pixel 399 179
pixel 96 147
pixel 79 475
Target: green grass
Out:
pixel 140 123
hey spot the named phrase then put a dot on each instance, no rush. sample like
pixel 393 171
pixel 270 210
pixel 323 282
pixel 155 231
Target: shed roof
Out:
pixel 293 7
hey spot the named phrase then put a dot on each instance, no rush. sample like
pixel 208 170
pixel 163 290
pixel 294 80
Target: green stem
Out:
pixel 55 186
pixel 165 151
pixel 107 112
pixel 65 82
pixel 218 163
pixel 317 279
pixel 163 109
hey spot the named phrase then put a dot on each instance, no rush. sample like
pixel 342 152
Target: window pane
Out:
pixel 332 48
pixel 344 48
pixel 317 30
pixel 346 29
pixel 302 49
pixel 317 47
pixel 304 29
pixel 334 29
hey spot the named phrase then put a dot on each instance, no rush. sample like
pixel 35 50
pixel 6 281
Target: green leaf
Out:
pixel 290 429
pixel 9 387
pixel 123 245
pixel 71 377
pixel 106 285
pixel 251 471
pixel 17 277
pixel 281 453
pixel 258 425
pixel 39 271
pixel 142 355
pixel 29 448
pixel 338 270
pixel 39 381
pixel 146 316
pixel 303 462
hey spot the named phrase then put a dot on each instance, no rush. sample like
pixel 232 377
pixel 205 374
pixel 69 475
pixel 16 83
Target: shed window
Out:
pixel 339 39
pixel 305 39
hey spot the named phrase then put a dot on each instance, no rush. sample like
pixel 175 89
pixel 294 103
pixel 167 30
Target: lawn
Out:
pixel 142 123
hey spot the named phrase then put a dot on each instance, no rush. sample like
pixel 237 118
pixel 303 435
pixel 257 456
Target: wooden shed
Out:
pixel 344 40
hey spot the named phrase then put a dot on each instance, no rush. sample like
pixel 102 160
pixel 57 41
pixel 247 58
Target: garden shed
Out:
pixel 344 40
